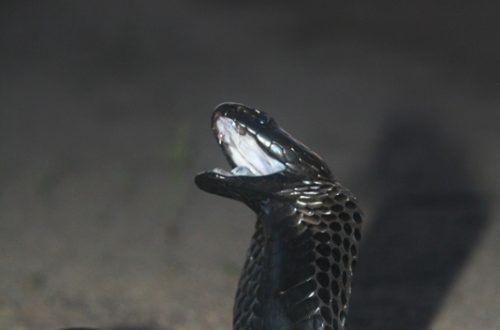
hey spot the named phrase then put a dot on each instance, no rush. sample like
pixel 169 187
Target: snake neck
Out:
pixel 300 263
pixel 275 261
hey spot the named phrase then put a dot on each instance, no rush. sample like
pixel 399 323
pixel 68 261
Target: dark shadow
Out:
pixel 429 218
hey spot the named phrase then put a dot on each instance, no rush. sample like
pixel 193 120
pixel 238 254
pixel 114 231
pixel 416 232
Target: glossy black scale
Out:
pixel 291 278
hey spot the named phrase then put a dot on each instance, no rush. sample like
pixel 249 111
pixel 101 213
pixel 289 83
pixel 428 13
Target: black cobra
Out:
pixel 299 266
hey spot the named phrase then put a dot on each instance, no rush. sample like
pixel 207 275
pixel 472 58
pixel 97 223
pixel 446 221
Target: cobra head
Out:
pixel 262 156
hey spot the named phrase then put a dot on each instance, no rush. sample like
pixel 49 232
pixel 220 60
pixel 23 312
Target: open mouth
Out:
pixel 245 150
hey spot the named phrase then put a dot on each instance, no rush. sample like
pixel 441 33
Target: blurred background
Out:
pixel 104 121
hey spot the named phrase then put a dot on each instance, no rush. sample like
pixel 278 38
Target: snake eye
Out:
pixel 266 120
pixel 263 118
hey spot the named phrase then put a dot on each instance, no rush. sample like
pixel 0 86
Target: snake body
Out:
pixel 299 266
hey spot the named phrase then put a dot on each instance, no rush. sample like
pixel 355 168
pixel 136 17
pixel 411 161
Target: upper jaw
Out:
pixel 241 145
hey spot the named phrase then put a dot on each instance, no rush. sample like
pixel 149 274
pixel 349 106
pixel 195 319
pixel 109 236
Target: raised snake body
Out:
pixel 299 266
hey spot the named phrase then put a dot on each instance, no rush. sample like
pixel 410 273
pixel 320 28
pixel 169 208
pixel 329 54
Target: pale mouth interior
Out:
pixel 244 150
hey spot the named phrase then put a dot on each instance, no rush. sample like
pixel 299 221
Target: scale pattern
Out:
pixel 247 314
pixel 321 247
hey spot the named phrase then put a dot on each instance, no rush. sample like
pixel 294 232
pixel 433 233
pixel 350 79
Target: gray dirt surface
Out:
pixel 104 120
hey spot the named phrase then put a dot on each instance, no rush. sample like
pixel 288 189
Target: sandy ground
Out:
pixel 104 120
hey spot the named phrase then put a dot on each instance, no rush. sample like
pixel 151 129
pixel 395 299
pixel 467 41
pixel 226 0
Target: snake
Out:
pixel 299 267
